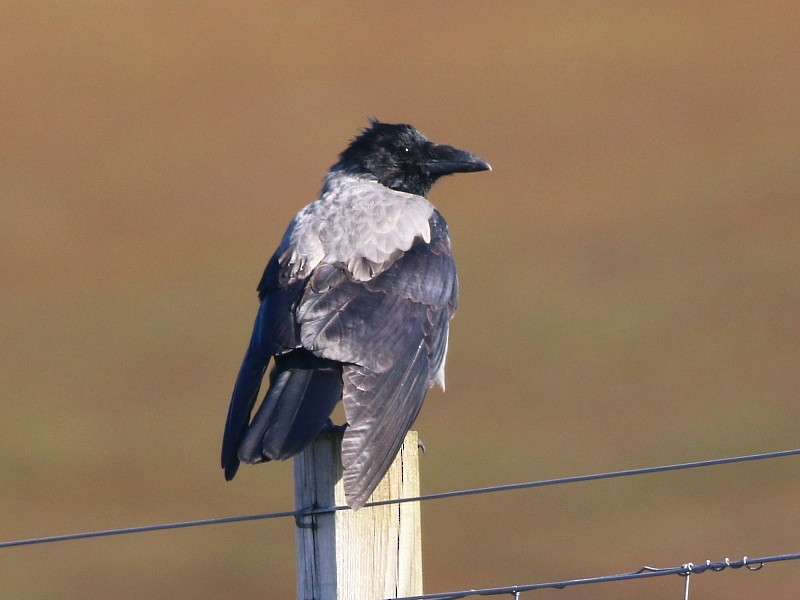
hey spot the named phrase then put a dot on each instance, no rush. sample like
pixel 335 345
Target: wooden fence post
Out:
pixel 368 554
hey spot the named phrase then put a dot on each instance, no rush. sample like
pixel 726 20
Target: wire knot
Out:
pixel 302 513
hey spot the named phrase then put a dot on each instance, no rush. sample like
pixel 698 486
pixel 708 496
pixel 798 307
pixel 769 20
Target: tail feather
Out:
pixel 245 393
pixel 304 390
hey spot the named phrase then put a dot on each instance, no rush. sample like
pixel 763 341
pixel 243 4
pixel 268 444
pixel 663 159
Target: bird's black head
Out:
pixel 401 158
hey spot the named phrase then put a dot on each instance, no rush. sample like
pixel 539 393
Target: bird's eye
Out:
pixel 406 150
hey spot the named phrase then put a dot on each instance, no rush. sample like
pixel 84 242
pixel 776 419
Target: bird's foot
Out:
pixel 421 446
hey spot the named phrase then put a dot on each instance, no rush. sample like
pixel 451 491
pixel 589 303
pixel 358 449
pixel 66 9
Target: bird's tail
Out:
pixel 245 393
pixel 303 391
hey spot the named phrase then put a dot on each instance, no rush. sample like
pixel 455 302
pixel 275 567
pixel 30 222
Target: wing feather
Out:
pixel 391 334
pixel 353 306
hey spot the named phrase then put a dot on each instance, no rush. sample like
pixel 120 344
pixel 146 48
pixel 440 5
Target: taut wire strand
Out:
pixel 143 528
pixel 299 514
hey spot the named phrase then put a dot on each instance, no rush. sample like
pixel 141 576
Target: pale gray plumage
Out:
pixel 355 306
pixel 358 223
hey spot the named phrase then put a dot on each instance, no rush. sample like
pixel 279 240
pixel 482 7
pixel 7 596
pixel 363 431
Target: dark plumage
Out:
pixel 355 306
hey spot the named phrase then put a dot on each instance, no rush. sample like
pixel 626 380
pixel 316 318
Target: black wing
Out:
pixel 391 335
pixel 275 332
pixel 377 345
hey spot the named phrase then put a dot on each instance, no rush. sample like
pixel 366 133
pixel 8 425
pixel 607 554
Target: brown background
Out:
pixel 630 280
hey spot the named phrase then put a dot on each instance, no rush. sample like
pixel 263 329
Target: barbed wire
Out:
pixel 300 513
pixel 685 570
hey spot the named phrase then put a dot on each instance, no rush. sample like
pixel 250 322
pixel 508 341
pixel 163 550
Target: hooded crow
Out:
pixel 355 306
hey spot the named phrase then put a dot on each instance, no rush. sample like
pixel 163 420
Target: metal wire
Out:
pixel 577 479
pixel 752 564
pixel 301 513
pixel 140 529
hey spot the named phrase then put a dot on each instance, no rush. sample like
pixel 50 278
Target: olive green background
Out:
pixel 630 277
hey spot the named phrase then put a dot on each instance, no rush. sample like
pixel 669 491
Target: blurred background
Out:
pixel 630 279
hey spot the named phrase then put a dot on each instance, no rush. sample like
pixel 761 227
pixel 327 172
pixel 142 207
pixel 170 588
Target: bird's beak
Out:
pixel 444 160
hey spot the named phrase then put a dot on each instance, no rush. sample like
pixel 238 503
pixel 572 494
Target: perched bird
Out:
pixel 355 306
